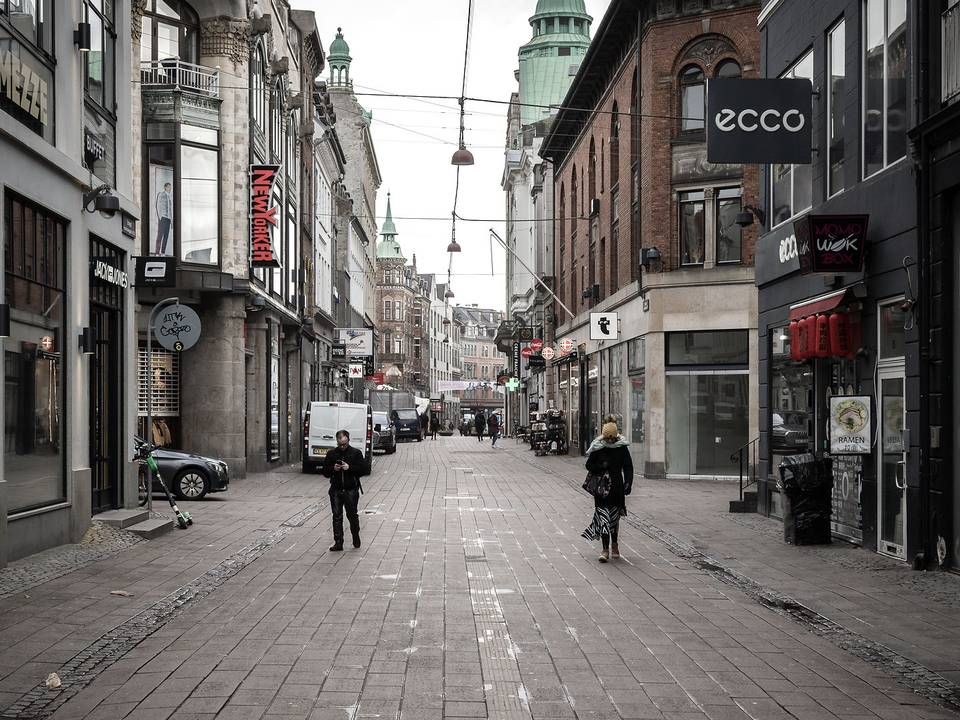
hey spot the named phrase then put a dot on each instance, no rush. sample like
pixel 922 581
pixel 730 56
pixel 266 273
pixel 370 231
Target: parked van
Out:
pixel 406 421
pixel 322 422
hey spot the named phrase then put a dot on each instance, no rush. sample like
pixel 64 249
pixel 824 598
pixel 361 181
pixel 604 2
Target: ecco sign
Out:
pixel 750 120
pixel 759 121
pixel 788 248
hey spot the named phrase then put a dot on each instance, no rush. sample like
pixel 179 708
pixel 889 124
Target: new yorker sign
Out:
pixel 263 216
pixel 759 121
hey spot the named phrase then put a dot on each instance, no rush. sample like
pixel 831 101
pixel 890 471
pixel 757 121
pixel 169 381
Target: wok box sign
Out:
pixel 831 243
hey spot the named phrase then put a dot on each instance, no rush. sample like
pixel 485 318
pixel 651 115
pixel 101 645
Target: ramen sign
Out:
pixel 850 425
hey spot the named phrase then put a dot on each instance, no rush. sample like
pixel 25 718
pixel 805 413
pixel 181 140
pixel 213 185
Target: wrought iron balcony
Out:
pixel 950 54
pixel 175 74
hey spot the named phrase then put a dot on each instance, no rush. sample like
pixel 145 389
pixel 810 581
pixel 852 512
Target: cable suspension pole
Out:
pixel 493 233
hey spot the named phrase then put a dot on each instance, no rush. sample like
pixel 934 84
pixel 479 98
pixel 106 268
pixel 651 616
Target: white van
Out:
pixel 322 422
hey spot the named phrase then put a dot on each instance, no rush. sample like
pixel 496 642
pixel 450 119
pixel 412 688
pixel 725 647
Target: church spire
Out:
pixel 389 230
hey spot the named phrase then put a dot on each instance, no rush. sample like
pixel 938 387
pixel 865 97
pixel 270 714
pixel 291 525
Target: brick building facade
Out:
pixel 645 229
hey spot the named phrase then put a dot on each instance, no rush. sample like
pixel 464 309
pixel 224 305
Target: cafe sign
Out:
pixel 831 243
pixel 850 425
pixel 263 216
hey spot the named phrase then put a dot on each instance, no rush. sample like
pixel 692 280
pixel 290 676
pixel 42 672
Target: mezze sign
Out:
pixel 263 216
pixel 759 121
pixel 831 243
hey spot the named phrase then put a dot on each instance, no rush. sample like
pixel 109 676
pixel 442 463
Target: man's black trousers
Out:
pixel 341 500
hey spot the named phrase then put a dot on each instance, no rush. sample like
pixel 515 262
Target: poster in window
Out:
pixel 850 425
pixel 161 210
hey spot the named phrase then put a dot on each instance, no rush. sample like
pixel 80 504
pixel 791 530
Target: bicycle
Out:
pixel 143 454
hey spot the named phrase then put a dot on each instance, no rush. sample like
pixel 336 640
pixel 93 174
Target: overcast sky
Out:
pixel 416 47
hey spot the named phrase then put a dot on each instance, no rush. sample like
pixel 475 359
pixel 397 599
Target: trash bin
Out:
pixel 806 483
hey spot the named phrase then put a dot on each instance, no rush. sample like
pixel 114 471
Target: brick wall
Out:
pixel 667 47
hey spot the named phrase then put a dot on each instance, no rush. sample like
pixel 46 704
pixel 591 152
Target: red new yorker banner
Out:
pixel 263 216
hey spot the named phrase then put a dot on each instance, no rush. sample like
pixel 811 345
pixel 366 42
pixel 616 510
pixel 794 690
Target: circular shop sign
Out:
pixel 177 328
pixel 549 353
pixel 566 346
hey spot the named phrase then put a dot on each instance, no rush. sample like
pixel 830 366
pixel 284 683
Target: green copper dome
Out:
pixel 389 229
pixel 339 50
pixel 389 248
pixel 561 7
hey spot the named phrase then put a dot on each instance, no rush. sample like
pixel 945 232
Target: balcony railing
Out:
pixel 176 74
pixel 950 53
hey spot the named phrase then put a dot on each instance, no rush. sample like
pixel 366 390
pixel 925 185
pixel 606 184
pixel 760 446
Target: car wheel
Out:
pixel 307 468
pixel 190 484
pixel 391 450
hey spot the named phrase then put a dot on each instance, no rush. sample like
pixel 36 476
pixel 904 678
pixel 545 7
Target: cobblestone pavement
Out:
pixel 474 596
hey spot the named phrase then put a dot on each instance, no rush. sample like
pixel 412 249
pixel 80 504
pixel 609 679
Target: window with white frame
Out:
pixel 836 115
pixel 397 310
pixel 388 309
pixel 884 83
pixel 791 190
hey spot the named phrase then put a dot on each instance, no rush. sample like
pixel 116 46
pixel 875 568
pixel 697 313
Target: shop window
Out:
pixel 592 172
pixel 885 84
pixel 708 347
pixel 35 420
pixel 615 405
pixel 32 20
pixel 728 205
pixel 163 372
pixel 893 335
pixel 184 224
pixel 692 228
pixel 636 355
pixel 836 104
pixel 792 185
pixel 791 410
pixel 693 98
pixel 258 92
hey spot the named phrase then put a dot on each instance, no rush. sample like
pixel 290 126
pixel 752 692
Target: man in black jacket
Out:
pixel 345 465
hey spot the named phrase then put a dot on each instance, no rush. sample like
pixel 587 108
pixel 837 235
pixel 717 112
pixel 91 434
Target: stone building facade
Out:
pixel 402 315
pixel 68 206
pixel 646 230
pixel 482 361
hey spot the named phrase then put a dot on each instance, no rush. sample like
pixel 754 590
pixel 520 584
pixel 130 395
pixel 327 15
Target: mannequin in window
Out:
pixel 164 214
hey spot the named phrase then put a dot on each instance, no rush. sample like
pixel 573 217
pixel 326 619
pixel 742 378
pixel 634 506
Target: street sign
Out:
pixel 339 351
pixel 548 353
pixel 525 334
pixel 604 326
pixel 526 353
pixel 177 328
pixel 516 359
pixel 156 271
pixel 536 344
pixel 566 346
pixel 831 243
pixel 355 371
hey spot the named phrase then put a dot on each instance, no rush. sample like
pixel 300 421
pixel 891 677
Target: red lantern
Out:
pixel 807 331
pixel 839 335
pixel 821 346
pixel 795 341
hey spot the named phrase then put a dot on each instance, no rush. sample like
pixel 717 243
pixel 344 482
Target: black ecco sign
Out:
pixel 759 121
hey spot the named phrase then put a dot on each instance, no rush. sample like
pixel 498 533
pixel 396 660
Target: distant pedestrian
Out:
pixel 424 424
pixel 493 428
pixel 609 459
pixel 434 426
pixel 480 425
pixel 345 465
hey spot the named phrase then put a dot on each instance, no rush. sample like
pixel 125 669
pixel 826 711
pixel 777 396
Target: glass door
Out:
pixel 892 477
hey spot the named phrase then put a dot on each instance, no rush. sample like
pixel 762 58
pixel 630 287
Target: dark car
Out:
pixel 789 432
pixel 406 422
pixel 188 476
pixel 384 434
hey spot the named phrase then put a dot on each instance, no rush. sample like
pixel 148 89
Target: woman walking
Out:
pixel 608 458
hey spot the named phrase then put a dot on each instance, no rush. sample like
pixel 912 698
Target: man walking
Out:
pixel 345 465
pixel 480 423
pixel 493 428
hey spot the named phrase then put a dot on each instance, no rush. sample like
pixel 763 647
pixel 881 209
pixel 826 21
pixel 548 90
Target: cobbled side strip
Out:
pixel 57 562
pixel 83 668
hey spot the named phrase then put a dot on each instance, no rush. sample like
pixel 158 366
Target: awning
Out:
pixel 822 304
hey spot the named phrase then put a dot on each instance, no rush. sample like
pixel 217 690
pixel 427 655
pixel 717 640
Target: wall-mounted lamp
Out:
pixel 745 217
pixel 102 200
pixel 4 320
pixel 648 255
pixel 81 37
pixel 88 340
